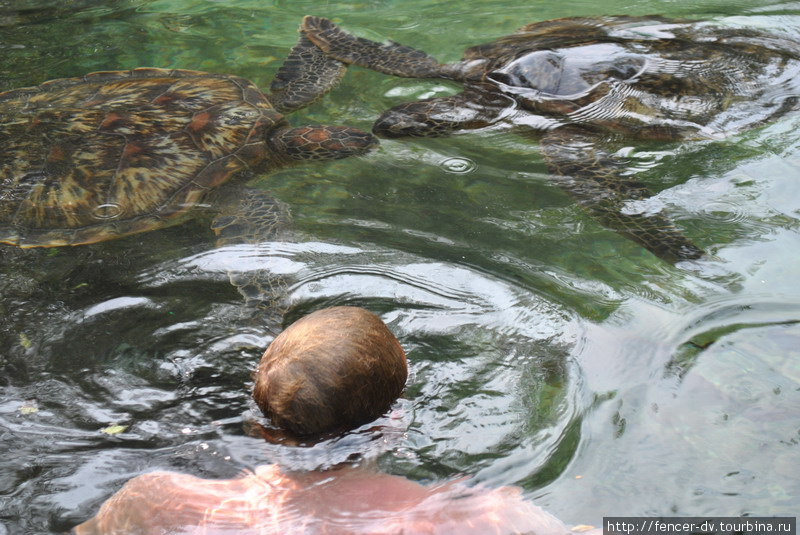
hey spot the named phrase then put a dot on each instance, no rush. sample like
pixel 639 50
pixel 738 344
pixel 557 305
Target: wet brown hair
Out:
pixel 334 369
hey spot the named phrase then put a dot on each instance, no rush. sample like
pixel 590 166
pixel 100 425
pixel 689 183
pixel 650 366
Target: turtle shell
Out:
pixel 113 153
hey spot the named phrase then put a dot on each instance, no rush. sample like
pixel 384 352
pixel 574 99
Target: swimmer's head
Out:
pixel 334 369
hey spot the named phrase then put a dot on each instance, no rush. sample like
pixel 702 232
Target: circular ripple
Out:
pixel 400 22
pixel 724 211
pixel 107 211
pixel 458 166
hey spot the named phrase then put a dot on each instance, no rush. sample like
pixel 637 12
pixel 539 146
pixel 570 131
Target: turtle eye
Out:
pixel 406 120
pixel 392 124
pixel 504 79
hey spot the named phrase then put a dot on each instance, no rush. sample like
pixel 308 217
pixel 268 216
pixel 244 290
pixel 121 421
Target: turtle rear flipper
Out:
pixel 593 177
pixel 388 58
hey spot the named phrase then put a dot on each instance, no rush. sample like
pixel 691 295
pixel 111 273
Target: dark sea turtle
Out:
pixel 591 86
pixel 110 154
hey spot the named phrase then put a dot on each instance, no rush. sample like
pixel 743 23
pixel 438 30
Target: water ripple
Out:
pixel 458 166
pixel 725 211
pixel 107 211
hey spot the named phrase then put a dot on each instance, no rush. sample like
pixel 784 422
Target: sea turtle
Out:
pixel 109 154
pixel 591 86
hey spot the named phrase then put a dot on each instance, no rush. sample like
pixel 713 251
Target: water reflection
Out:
pixel 489 367
pixel 717 388
pixel 545 350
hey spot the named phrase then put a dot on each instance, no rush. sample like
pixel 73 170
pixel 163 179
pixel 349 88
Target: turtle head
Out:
pixel 309 143
pixel 414 119
pixel 431 117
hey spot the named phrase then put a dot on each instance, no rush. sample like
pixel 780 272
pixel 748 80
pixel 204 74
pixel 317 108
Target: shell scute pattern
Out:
pixel 148 143
pixel 149 170
pixel 219 127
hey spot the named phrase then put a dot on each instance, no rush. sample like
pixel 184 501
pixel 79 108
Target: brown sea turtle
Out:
pixel 110 154
pixel 591 86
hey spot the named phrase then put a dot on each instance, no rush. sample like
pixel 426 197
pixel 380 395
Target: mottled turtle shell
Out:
pixel 113 153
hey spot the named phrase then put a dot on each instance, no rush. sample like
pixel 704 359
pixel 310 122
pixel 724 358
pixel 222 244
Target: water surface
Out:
pixel 546 351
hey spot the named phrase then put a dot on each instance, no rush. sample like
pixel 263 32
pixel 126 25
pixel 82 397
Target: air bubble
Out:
pixel 458 166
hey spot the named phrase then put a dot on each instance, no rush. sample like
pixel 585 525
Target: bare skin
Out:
pixel 320 360
pixel 348 501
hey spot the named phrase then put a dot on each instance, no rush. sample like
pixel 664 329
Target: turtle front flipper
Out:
pixel 305 77
pixel 249 216
pixel 388 58
pixel 595 178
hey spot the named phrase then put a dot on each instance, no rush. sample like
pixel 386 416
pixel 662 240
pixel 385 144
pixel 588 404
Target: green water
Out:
pixel 546 351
